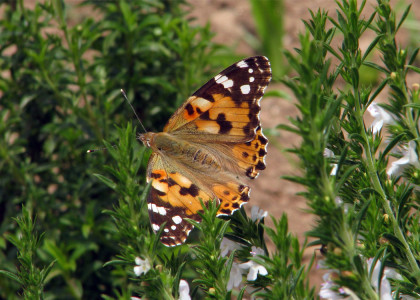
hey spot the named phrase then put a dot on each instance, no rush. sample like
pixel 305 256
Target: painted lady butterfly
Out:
pixel 207 148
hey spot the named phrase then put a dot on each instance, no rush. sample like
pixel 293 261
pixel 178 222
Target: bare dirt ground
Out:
pixel 231 20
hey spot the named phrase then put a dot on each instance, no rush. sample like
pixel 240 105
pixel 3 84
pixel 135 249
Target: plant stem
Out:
pixel 378 187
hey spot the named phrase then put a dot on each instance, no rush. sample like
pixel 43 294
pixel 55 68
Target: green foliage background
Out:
pixel 60 95
pixel 71 223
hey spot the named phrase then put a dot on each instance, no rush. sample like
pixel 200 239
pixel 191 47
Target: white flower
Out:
pixel 257 251
pixel 254 268
pixel 329 289
pixel 227 246
pixel 409 157
pixel 329 154
pixel 257 213
pixel 321 264
pixel 143 266
pixel 235 277
pixel 385 287
pixel 340 203
pixel 406 297
pixel 382 117
pixel 184 290
pixel 135 298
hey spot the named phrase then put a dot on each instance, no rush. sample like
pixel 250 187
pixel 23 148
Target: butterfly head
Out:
pixel 162 143
pixel 146 138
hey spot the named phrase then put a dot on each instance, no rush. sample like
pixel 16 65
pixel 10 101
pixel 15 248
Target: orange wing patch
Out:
pixel 232 196
pixel 195 107
pixel 251 155
pixel 172 198
pixel 178 191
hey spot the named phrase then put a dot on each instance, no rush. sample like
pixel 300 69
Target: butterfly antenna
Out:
pixel 100 149
pixel 125 96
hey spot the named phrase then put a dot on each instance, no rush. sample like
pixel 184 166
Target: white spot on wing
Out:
pixel 154 208
pixel 177 219
pixel 173 227
pixel 245 89
pixel 155 227
pixel 166 230
pixel 157 209
pixel 250 70
pixel 242 64
pixel 161 210
pixel 220 78
pixel 227 84
pixel 251 79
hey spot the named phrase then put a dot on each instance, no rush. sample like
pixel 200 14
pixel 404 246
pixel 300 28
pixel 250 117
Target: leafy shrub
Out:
pixel 367 213
pixel 60 95
pixel 56 100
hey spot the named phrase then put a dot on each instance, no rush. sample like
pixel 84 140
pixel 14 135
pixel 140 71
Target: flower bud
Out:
pixel 393 75
pixel 348 274
pixel 383 241
pixel 337 251
pixel 212 291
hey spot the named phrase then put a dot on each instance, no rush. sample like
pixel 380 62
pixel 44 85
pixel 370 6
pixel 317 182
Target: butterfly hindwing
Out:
pixel 172 198
pixel 251 155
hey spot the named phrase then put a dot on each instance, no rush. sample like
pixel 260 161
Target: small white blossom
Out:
pixel 329 289
pixel 254 270
pixel 235 277
pixel 409 158
pixel 135 298
pixel 253 267
pixel 385 287
pixel 382 117
pixel 184 290
pixel 339 202
pixel 143 266
pixel 329 154
pixel 227 246
pixel 321 264
pixel 257 213
pixel 257 251
pixel 406 297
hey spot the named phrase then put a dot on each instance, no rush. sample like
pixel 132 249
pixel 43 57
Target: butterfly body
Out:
pixel 208 148
pixel 182 152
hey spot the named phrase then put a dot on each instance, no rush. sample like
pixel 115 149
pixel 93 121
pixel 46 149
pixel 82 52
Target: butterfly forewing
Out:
pixel 207 148
pixel 227 105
